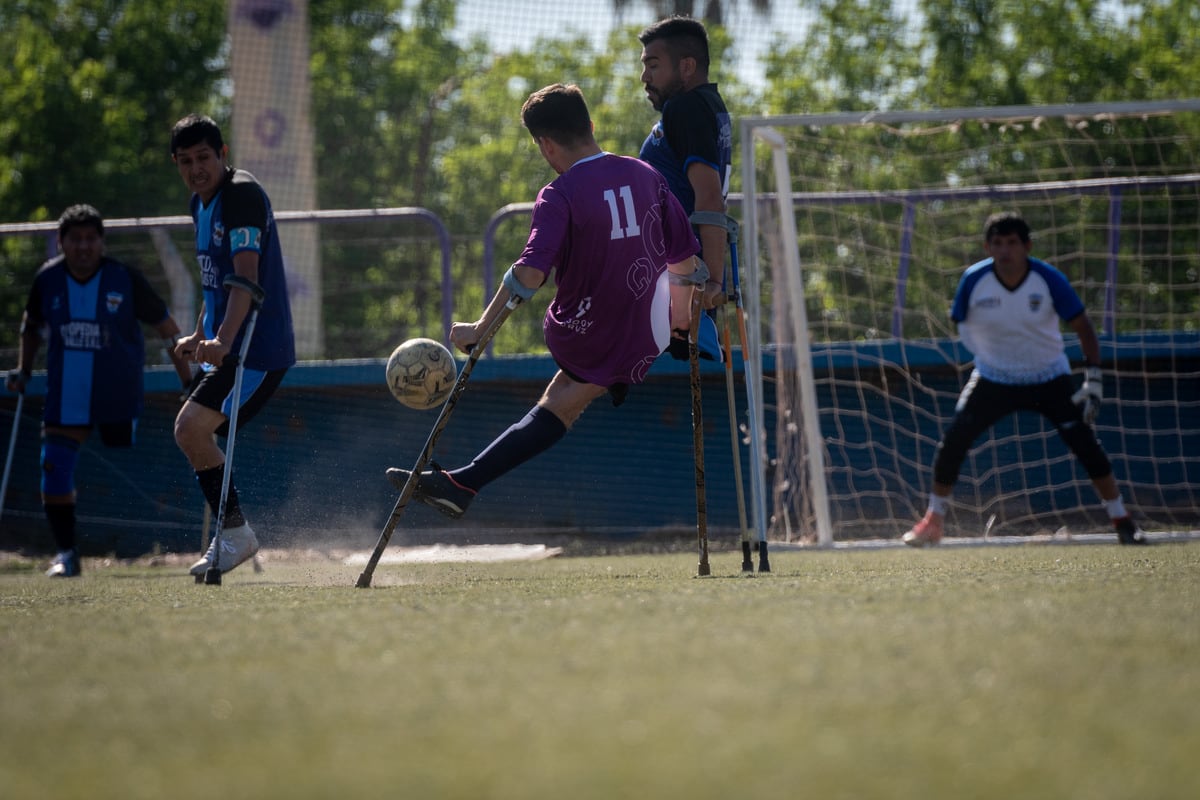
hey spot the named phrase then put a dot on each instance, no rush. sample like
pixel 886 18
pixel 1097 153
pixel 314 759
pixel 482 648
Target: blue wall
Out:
pixel 309 469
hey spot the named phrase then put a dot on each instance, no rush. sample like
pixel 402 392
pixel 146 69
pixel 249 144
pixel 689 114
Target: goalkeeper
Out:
pixel 1008 308
pixel 624 258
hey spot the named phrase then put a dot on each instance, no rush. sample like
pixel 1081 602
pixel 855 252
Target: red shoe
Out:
pixel 925 533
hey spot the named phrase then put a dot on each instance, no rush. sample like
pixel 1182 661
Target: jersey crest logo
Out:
pixel 218 233
pixel 113 301
pixel 1035 302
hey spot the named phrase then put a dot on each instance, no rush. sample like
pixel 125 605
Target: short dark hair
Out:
pixel 1003 223
pixel 685 38
pixel 194 129
pixel 77 215
pixel 559 112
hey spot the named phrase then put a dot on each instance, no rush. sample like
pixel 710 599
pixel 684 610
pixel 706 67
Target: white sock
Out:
pixel 1116 508
pixel 938 504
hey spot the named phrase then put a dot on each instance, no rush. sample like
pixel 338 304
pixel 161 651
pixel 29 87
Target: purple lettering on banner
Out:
pixel 264 14
pixel 269 127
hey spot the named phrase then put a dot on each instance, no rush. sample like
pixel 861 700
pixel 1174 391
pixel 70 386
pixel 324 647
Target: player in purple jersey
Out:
pixel 90 309
pixel 235 235
pixel 624 259
pixel 1008 309
pixel 692 144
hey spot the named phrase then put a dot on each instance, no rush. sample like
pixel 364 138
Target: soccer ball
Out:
pixel 421 373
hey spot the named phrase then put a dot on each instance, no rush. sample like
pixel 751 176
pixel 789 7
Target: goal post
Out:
pixel 856 229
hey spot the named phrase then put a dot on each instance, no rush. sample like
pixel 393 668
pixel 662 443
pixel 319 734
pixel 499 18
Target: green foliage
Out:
pixel 89 95
pixel 860 55
pixel 863 55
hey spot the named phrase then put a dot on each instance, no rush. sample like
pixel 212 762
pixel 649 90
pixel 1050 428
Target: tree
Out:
pixel 859 56
pixel 87 100
pixel 89 96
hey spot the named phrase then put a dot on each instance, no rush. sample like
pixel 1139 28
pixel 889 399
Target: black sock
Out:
pixel 62 524
pixel 537 432
pixel 210 484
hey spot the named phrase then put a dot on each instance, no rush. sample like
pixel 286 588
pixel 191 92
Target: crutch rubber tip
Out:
pixel 763 564
pixel 212 577
pixel 703 570
pixel 747 562
pixel 364 582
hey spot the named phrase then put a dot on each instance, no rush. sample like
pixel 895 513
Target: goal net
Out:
pixel 856 232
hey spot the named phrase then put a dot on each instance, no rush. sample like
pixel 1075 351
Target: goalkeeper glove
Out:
pixel 1090 394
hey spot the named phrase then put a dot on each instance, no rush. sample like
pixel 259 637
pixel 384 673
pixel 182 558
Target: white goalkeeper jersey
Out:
pixel 1015 334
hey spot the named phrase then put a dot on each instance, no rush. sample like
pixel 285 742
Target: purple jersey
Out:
pixel 608 227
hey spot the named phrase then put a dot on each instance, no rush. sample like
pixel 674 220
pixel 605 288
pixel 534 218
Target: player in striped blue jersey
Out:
pixel 235 235
pixel 89 308
pixel 1008 308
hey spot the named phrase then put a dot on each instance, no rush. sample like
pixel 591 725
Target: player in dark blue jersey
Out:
pixel 235 235
pixel 89 308
pixel 692 144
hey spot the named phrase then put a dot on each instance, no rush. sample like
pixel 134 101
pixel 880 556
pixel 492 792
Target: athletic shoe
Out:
pixel 65 565
pixel 436 488
pixel 1128 531
pixel 925 533
pixel 237 545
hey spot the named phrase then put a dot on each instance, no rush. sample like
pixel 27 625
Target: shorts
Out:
pixel 617 391
pixel 214 389
pixel 112 434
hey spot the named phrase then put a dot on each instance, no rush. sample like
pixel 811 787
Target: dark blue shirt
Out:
pixel 236 219
pixel 94 351
pixel 695 127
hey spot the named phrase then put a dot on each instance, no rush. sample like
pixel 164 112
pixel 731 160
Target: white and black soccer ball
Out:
pixel 421 373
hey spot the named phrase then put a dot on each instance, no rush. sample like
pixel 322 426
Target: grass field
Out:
pixel 1031 672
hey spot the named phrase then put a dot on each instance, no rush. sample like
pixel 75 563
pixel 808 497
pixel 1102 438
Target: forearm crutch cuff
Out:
pixel 717 219
pixel 516 287
pixel 246 285
pixel 698 277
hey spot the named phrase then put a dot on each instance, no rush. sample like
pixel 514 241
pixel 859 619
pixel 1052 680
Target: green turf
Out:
pixel 1030 672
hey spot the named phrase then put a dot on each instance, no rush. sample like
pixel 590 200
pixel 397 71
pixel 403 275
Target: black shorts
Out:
pixel 112 434
pixel 214 389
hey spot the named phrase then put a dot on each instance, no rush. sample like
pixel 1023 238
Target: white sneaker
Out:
pixel 237 545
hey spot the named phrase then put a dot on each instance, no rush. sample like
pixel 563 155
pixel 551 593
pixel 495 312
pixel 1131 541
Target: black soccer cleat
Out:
pixel 436 488
pixel 1128 532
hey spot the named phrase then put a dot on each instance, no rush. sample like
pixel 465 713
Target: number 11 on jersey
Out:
pixel 631 227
